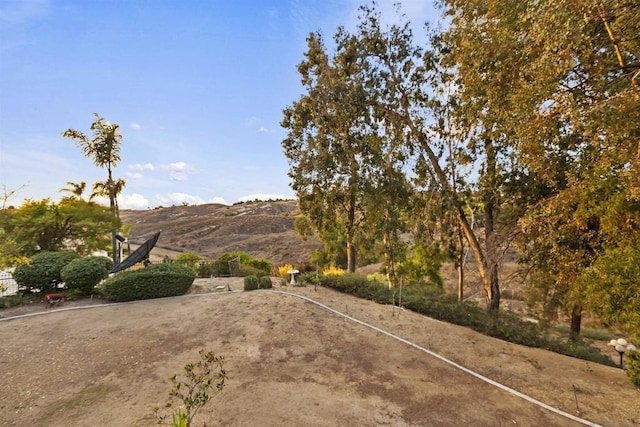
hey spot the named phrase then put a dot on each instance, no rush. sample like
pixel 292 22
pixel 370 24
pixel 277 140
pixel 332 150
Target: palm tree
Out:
pixel 104 149
pixel 76 189
pixel 101 188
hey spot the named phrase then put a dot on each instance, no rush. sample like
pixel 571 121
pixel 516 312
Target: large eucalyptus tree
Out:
pixel 401 81
pixel 555 83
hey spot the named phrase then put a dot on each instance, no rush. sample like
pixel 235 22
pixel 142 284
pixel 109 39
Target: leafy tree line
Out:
pixel 72 224
pixel 522 117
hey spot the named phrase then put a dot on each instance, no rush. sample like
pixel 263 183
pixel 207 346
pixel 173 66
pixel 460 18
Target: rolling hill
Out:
pixel 262 229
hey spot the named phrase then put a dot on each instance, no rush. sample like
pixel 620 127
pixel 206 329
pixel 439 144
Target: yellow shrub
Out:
pixel 21 260
pixel 332 270
pixel 378 278
pixel 283 269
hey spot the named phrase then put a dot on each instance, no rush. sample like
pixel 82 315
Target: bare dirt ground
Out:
pixel 289 362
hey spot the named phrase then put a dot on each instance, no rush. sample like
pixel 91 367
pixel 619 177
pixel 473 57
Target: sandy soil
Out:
pixel 289 362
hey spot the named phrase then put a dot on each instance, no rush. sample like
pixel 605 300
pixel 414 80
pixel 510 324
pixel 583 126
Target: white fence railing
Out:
pixel 8 286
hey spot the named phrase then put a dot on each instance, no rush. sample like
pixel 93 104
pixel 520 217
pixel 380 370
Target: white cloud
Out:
pixel 133 201
pixel 219 200
pixel 178 166
pixel 135 126
pixel 104 201
pixel 142 167
pixel 177 171
pixel 134 175
pixel 263 129
pixel 178 199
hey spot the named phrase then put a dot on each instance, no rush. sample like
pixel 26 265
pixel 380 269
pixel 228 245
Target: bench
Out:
pixel 222 288
pixel 53 299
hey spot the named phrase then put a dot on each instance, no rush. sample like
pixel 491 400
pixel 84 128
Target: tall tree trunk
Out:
pixel 350 231
pixel 351 257
pixel 491 247
pixel 576 321
pixel 460 281
pixel 493 297
pixel 389 261
pixel 460 266
pixel 112 207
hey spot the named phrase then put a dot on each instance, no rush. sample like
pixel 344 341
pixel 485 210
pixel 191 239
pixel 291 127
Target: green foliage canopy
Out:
pixel 83 274
pixel 71 224
pixel 154 281
pixel 44 271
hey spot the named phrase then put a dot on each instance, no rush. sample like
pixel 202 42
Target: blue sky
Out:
pixel 197 87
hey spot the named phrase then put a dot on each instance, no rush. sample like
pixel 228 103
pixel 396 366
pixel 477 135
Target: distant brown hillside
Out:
pixel 261 229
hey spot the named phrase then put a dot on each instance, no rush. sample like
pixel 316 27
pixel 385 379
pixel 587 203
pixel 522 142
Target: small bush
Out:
pixel 264 282
pixel 193 389
pixel 378 278
pixel 230 261
pixel 11 301
pixel 632 362
pixel 251 283
pixel 206 269
pixel 261 264
pixel 579 350
pixel 332 270
pixel 189 259
pixel 249 270
pixel 43 271
pixel 82 274
pixel 154 281
pixel 347 283
pixel 309 278
pixel 283 271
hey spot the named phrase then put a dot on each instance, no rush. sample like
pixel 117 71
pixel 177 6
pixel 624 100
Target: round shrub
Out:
pixel 82 274
pixel 251 283
pixel 154 281
pixel 632 362
pixel 264 282
pixel 189 259
pixel 43 271
pixel 261 264
pixel 249 270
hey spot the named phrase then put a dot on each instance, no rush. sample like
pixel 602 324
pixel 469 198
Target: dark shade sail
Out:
pixel 138 255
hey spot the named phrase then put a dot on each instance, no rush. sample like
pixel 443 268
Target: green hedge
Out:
pixel 82 274
pixel 43 273
pixel 632 362
pixel 154 281
pixel 431 301
pixel 251 283
pixel 262 265
pixel 264 282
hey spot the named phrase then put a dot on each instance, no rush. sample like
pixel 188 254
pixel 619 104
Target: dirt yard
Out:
pixel 289 362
